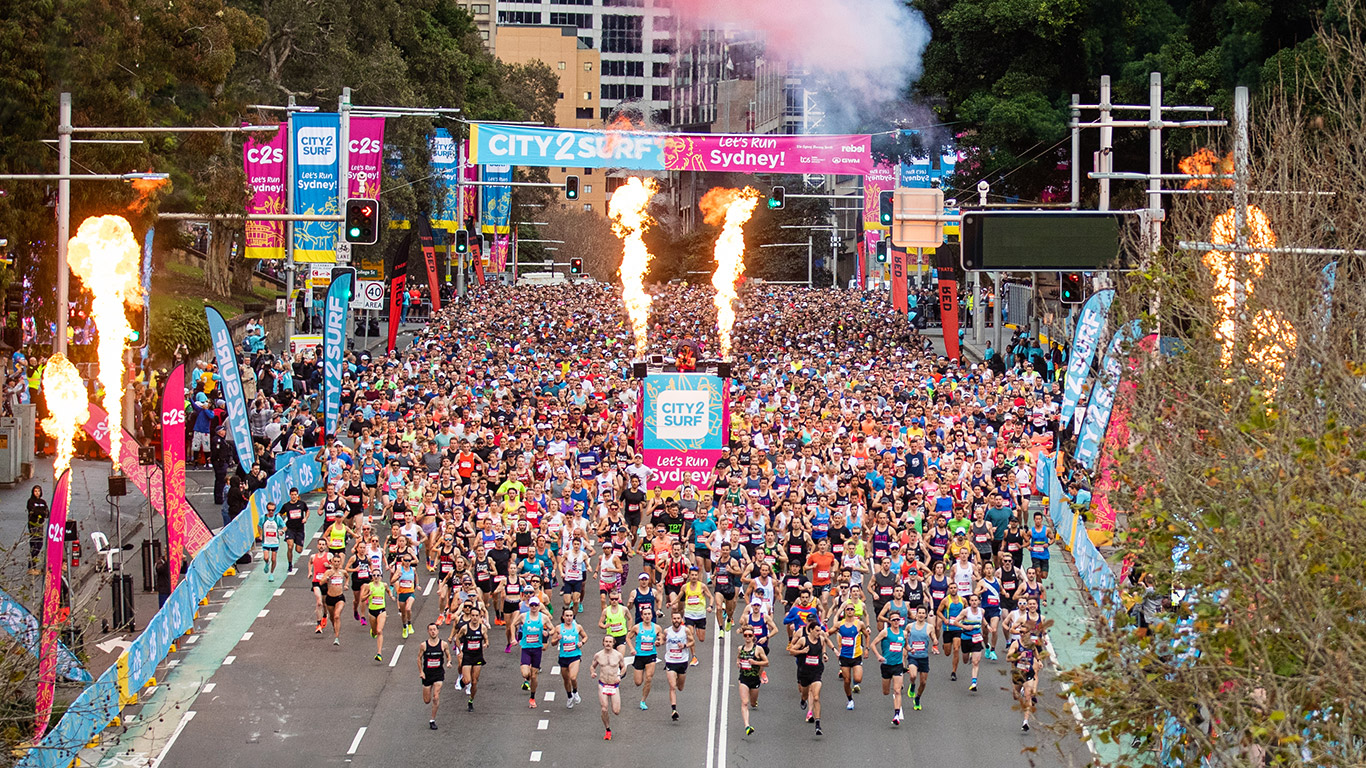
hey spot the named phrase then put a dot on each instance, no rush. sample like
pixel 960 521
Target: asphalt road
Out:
pixel 287 697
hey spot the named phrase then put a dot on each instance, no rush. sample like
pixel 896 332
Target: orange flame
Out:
pixel 147 190
pixel 68 405
pixel 1224 267
pixel 105 255
pixel 730 208
pixel 629 222
pixel 1206 163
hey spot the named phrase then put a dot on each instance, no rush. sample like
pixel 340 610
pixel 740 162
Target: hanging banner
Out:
pixel 683 418
pixel 197 533
pixel 446 168
pixel 54 615
pixel 173 469
pixel 220 339
pixel 640 151
pixel 498 254
pixel 898 259
pixel 1090 327
pixel 315 184
pixel 948 302
pixel 881 178
pixel 1103 396
pixel 428 243
pixel 398 283
pixel 266 167
pixel 22 626
pixel 496 213
pixel 365 156
pixel 335 314
pixel 480 257
pixel 469 199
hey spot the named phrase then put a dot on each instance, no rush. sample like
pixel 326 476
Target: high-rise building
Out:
pixel 578 67
pixel 634 37
pixel 485 13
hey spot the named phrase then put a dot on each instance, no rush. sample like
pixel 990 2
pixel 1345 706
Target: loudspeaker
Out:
pixel 723 369
pixel 638 370
pixel 118 485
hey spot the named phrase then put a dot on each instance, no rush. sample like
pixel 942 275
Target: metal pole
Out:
pixel 343 177
pixel 1076 153
pixel 979 331
pixel 289 229
pixel 1240 184
pixel 1154 160
pixel 515 246
pixel 63 221
pixel 1106 141
pixel 810 261
pixel 999 290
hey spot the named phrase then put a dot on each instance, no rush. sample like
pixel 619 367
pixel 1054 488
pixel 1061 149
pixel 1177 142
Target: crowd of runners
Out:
pixel 873 508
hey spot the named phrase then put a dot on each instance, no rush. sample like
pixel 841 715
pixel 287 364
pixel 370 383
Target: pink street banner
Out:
pixel 469 201
pixel 850 154
pixel 366 151
pixel 197 534
pixel 53 615
pixel 266 168
pixel 881 178
pixel 173 468
pixel 500 252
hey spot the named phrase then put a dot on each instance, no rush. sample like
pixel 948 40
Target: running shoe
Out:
pixel 467 690
pixel 897 718
pixel 608 735
pixel 856 687
pixel 379 657
pixel 644 706
pixel 569 701
pixel 674 715
pixel 763 678
pixel 363 622
pixel 526 685
pixel 850 705
pixel 577 698
pixel 819 732
pixel 749 731
pixel 507 648
pixel 991 654
pixel 270 576
pixel 1024 727
pixel 318 630
pixel 917 706
pixel 531 703
pixel 469 705
pixel 803 703
pixel 973 687
pixel 336 641
pixel 440 619
pixel 695 662
pixel 810 718
pixel 431 724
pixel 356 614
pixel 953 676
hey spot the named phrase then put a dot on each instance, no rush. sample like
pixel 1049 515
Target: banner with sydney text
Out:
pixel 683 419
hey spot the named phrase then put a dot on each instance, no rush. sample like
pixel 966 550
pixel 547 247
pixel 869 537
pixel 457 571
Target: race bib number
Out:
pixel 812 661
pixel 894 647
pixel 433 663
pixel 917 646
pixel 746 665
pixel 608 689
pixel 474 645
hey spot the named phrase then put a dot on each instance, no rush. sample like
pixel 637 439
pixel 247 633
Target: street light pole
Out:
pixel 63 220
pixel 289 226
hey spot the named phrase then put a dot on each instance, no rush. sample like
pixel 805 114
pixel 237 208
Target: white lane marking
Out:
pixel 355 743
pixel 192 639
pixel 208 687
pixel 227 593
pixel 246 635
pixel 240 575
pixel 721 727
pixel 542 725
pixel 555 670
pixel 210 616
pixel 229 660
pixel 184 721
pixel 428 590
pixel 263 613
pixel 1071 700
pixel 549 695
pixel 394 661
pixel 711 705
pixel 536 756
pixel 150 690
pixel 279 591
pixel 172 663
pixel 630 659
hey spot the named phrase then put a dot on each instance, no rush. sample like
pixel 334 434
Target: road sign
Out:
pixel 343 252
pixel 916 233
pixel 1045 241
pixel 369 295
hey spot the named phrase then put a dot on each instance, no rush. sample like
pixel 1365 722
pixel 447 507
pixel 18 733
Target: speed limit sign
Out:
pixel 370 295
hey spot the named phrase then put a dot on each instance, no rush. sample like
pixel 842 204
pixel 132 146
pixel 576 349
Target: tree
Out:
pixel 1245 481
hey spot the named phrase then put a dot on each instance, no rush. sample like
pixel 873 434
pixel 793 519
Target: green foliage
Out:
pixel 181 324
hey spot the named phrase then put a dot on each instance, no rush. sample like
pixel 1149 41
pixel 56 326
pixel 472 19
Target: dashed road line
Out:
pixel 263 613
pixel 208 688
pixel 229 660
pixel 246 635
pixel 394 661
pixel 542 725
pixel 536 756
pixel 355 743
pixel 184 721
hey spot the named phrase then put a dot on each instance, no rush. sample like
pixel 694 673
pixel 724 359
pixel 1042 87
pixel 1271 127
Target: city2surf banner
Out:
pixel 266 167
pixel 684 419
pixel 53 613
pixel 641 151
pixel 880 179
pixel 1090 327
pixel 173 468
pixel 336 310
pixel 365 156
pixel 315 183
pixel 446 167
pixel 220 338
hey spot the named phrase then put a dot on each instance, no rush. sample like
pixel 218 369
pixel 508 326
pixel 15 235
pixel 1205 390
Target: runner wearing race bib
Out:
pixel 890 648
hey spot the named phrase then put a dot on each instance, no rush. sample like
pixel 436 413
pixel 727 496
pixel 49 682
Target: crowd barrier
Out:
pixel 1092 569
pixel 103 700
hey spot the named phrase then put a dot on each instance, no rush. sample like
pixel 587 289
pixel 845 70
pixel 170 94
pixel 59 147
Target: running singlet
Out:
pixel 569 641
pixel 893 648
pixel 615 620
pixel 694 602
pixel 406 579
pixel 918 642
pixel 851 641
pixel 377 597
pixel 533 631
pixel 270 533
pixel 760 627
pixel 646 637
pixel 747 669
pixel 433 657
pixel 675 645
pixel 1038 543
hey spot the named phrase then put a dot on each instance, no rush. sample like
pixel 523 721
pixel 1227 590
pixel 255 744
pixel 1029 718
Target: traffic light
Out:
pixel 884 207
pixel 571 187
pixel 462 241
pixel 362 221
pixel 137 326
pixel 777 198
pixel 1069 287
pixel 882 251
pixel 576 266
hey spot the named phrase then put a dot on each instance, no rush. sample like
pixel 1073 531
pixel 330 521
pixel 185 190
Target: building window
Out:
pixel 588 66
pixel 484 33
pixel 587 171
pixel 623 68
pixel 661 69
pixel 583 113
pixel 623 3
pixel 480 10
pixel 588 189
pixel 660 93
pixel 561 66
pixel 604 113
pixel 588 207
pixel 662 45
pixel 587 95
pixel 519 17
pixel 585 42
pixel 613 182
pixel 613 91
pixel 622 34
pixel 580 20
pixel 560 95
pixel 635 91
pixel 569 2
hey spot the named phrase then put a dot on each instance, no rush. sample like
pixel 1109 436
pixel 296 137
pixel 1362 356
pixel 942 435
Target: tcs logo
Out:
pixel 264 155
